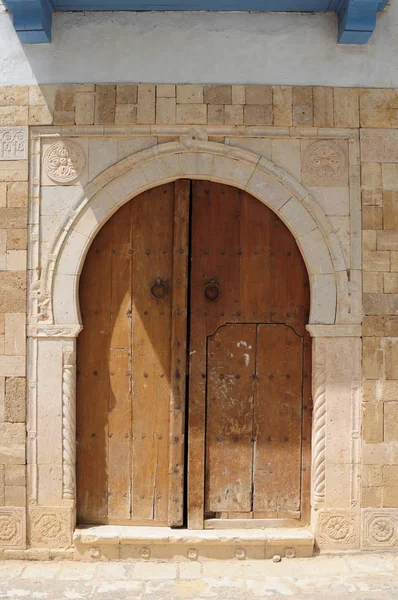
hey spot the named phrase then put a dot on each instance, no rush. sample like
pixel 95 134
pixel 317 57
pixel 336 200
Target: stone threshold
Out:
pixel 137 542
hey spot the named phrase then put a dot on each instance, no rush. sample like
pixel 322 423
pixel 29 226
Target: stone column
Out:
pixel 336 435
pixel 52 435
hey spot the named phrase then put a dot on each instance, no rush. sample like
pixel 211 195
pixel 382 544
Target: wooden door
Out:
pixel 249 385
pixel 243 327
pixel 131 363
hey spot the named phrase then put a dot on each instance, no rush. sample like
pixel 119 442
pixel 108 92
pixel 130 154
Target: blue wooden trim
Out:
pixel 357 18
pixel 32 19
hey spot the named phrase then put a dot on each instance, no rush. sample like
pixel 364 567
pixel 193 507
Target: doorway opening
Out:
pixel 193 366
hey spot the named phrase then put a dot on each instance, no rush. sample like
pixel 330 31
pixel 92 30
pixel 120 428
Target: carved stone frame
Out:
pixel 53 311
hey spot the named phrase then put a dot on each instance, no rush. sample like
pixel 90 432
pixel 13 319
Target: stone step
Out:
pixel 163 543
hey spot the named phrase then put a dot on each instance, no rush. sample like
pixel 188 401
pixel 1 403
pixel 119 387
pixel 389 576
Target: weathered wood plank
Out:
pixel 152 218
pixel 229 419
pixel 179 352
pixel 93 381
pixel 278 420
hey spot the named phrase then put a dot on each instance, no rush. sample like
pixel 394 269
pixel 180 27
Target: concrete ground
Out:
pixel 353 576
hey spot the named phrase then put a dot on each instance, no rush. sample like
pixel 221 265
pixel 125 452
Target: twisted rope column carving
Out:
pixel 319 424
pixel 68 425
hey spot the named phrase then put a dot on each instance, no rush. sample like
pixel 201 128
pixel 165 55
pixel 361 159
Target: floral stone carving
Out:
pixel 12 527
pixel 324 163
pixel 13 143
pixel 50 527
pixel 337 529
pixel 64 161
pixel 380 529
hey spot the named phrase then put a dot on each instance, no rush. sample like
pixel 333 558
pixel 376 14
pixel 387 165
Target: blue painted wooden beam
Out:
pixel 32 19
pixel 357 20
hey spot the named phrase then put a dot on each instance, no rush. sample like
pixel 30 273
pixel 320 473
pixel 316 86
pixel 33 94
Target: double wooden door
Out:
pixel 193 387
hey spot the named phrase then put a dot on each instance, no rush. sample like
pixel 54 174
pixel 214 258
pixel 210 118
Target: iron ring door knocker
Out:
pixel 159 289
pixel 212 290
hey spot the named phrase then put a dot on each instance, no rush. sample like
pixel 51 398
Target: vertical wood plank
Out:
pixel 229 419
pixel 178 352
pixel 152 218
pixel 119 418
pixel 93 381
pixel 278 420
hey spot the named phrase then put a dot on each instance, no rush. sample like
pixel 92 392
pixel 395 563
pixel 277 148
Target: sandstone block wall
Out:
pixel 293 115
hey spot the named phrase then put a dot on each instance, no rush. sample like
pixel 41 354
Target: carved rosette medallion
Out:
pixel 12 528
pixel 380 529
pixel 50 527
pixel 337 529
pixel 64 161
pixel 324 163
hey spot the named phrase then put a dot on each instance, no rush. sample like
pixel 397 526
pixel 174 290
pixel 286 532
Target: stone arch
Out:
pixel 196 159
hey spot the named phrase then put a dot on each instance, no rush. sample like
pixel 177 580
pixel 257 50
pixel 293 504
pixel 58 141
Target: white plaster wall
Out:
pixel 290 49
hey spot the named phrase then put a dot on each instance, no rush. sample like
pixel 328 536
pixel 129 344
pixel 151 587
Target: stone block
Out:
pixel 337 529
pixel 14 95
pixel 282 98
pixel 105 104
pixel 127 93
pixel 13 522
pixel 16 260
pixel 394 261
pixel 15 475
pixel 40 115
pixel 387 240
pixel 51 527
pixel 378 108
pixel 215 114
pixel 346 107
pixel 303 110
pixel 217 94
pixel 3 194
pixel 371 497
pixel 368 239
pixel 372 475
pixel 84 111
pixel 390 472
pixel 13 170
pixel 371 175
pixel 2 485
pixel 166 111
pixel 391 423
pixel 372 197
pixel 257 114
pixel 390 176
pixel 372 217
pixel 126 113
pixel 165 90
pixel 13 218
pixel 64 99
pixel 13 433
pixel 11 366
pixel 233 114
pixel 15 400
pixel 373 326
pixel 379 145
pixel 286 154
pixel 391 326
pixel 372 422
pixel 372 357
pixel 17 239
pixel 390 496
pixel 258 94
pixel 15 334
pixel 390 209
pixel 15 495
pixel 17 194
pixel 323 107
pixel 192 114
pixel 64 117
pixel 376 260
pixel 238 94
pixel 14 115
pixel 380 304
pixel 390 283
pixel 189 94
pixel 12 455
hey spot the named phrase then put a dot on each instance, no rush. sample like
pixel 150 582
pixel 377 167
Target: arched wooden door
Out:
pixel 193 388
